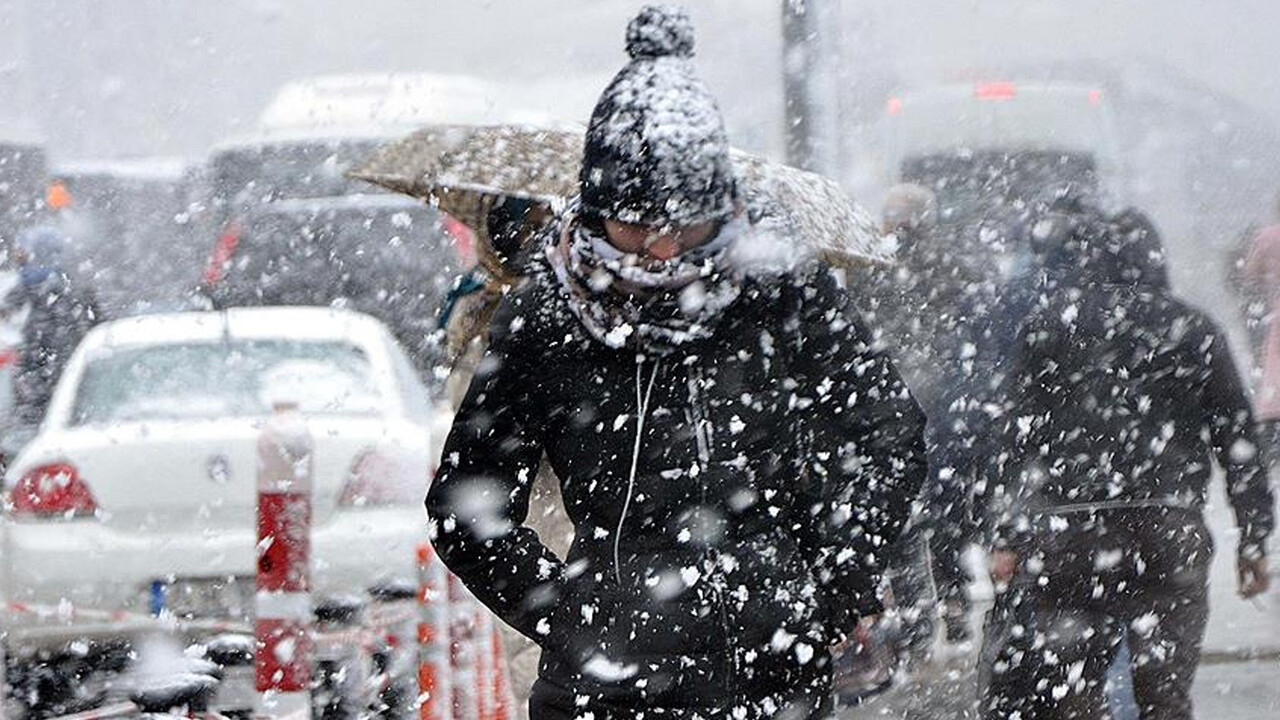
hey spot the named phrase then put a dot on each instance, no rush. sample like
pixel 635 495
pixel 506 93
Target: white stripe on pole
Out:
pixel 282 605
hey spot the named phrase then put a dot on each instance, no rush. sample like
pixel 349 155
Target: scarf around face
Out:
pixel 654 306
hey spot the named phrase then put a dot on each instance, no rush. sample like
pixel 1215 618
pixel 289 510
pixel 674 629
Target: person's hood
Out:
pixel 44 246
pixel 1141 256
pixel 1124 250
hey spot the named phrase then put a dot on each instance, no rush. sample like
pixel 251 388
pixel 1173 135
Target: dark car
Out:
pixel 384 255
pixel 130 214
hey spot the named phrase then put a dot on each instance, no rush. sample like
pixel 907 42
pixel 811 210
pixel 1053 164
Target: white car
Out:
pixel 138 492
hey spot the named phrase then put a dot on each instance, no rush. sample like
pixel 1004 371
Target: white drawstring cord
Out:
pixel 642 405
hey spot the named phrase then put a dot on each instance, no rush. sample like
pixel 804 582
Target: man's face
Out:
pixel 657 243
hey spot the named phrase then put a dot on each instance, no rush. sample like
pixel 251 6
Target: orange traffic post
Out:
pixel 503 701
pixel 484 661
pixel 462 651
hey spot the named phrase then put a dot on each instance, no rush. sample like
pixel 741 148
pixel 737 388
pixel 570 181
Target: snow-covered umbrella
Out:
pixel 463 170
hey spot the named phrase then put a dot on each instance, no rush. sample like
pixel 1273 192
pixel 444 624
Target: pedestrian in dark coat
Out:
pixel 922 310
pixel 732 453
pixel 60 312
pixel 1122 399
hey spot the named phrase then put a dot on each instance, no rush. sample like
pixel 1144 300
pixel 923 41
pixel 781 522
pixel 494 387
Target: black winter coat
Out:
pixel 730 501
pixel 1122 397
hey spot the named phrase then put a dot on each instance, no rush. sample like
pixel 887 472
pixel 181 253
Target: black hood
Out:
pixel 1122 250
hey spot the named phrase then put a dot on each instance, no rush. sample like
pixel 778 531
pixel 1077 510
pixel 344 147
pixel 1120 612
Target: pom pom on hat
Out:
pixel 660 31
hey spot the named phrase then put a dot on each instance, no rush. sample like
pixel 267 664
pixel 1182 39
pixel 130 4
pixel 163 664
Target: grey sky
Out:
pixel 127 77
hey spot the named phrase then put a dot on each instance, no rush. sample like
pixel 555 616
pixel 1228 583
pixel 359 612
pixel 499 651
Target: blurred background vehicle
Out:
pixel 991 150
pixel 292 229
pixel 141 483
pixel 127 215
pixel 384 255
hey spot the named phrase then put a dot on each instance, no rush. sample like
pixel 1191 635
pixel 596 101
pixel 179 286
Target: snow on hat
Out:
pixel 656 151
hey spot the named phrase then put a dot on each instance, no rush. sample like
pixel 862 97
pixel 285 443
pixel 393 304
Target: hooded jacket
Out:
pixel 730 500
pixel 1122 396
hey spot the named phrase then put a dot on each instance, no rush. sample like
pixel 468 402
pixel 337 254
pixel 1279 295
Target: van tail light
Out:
pixel 53 490
pixel 376 480
pixel 995 91
pixel 223 250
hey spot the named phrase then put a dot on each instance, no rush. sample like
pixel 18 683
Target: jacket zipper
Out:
pixel 703 439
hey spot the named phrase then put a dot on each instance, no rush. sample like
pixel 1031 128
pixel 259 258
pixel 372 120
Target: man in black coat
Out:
pixel 732 452
pixel 1121 399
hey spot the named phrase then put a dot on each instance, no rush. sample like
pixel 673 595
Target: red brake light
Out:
pixel 377 481
pixel 894 106
pixel 223 250
pixel 995 91
pixel 53 490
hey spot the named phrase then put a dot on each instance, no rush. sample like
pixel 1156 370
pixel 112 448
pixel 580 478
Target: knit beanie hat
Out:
pixel 656 151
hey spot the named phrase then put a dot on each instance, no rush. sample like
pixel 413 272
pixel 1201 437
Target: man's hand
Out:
pixel 1003 566
pixel 1251 573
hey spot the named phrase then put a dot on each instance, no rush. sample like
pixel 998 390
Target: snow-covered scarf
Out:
pixel 654 306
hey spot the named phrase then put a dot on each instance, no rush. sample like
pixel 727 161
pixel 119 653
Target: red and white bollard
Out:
pixel 282 603
pixel 435 691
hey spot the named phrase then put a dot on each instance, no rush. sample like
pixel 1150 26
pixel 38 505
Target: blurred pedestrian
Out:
pixel 919 307
pixel 732 452
pixel 1262 272
pixel 1122 397
pixel 60 311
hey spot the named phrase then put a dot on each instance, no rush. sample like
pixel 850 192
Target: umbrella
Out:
pixel 463 170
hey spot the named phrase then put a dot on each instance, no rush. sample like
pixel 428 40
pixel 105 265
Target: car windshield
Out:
pixel 237 378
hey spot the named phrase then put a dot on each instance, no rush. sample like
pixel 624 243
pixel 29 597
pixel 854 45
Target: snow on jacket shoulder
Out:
pixel 730 500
